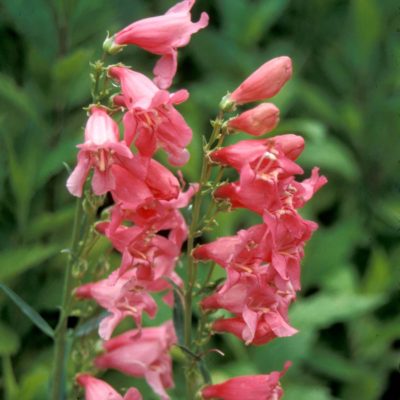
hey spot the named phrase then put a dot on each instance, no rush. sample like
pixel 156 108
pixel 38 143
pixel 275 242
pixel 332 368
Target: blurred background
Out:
pixel 344 99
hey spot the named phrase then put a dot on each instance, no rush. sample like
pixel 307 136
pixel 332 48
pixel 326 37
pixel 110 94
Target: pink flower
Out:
pixel 256 387
pixel 100 151
pixel 245 152
pixel 151 120
pixel 122 296
pixel 96 389
pixel 265 82
pixel 162 35
pixel 257 121
pixel 141 179
pixel 143 354
pixel 261 306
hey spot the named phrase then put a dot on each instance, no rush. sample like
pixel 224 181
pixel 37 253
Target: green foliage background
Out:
pixel 344 99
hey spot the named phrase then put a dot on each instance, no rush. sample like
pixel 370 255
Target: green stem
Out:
pixel 61 329
pixel 192 263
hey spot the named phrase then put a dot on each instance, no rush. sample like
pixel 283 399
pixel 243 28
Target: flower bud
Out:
pixel 110 47
pixel 265 82
pixel 257 121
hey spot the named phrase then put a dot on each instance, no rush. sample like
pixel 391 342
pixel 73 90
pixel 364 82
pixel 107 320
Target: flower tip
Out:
pixel 227 104
pixel 110 47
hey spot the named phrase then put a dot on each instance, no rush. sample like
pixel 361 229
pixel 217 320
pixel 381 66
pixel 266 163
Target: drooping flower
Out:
pixel 260 152
pixel 258 302
pixel 151 120
pixel 143 354
pixel 100 151
pixel 256 121
pixel 255 387
pixel 121 296
pixel 163 35
pixel 96 389
pixel 265 82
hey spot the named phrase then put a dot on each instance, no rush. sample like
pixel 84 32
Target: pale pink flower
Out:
pixel 255 387
pixel 143 354
pixel 260 305
pixel 96 389
pixel 262 152
pixel 121 296
pixel 162 35
pixel 257 121
pixel 100 151
pixel 152 121
pixel 265 82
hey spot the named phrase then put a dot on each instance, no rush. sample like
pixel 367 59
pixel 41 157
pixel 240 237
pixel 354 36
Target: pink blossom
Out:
pixel 260 305
pixel 143 354
pixel 151 120
pixel 162 35
pixel 261 152
pixel 265 82
pixel 100 151
pixel 257 121
pixel 255 387
pixel 141 179
pixel 122 296
pixel 96 389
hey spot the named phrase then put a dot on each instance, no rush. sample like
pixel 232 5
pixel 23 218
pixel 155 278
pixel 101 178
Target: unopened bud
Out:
pixel 110 47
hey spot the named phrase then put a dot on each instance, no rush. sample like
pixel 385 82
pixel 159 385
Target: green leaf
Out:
pixel 9 343
pixel 178 317
pixel 262 18
pixel 32 314
pixel 90 325
pixel 70 78
pixel 331 156
pixel 205 373
pixel 322 310
pixel 306 392
pixel 367 22
pixel 11 390
pixel 333 364
pixel 15 261
pixel 378 276
pixel 34 19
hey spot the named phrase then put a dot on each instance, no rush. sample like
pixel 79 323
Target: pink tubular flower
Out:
pixel 100 151
pixel 162 35
pixel 245 152
pixel 262 307
pixel 96 389
pixel 122 296
pixel 257 121
pixel 256 387
pixel 265 82
pixel 151 120
pixel 143 354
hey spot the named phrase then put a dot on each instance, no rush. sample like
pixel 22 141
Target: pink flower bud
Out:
pixel 256 387
pixel 257 121
pixel 265 82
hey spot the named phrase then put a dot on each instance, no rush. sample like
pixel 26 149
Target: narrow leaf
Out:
pixel 14 262
pixel 32 314
pixel 204 372
pixel 178 317
pixel 90 325
pixel 9 343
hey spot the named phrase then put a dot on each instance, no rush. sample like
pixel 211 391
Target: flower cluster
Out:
pixel 145 223
pixel 262 263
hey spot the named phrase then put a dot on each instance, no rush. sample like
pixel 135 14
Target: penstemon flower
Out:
pixel 145 226
pixel 162 35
